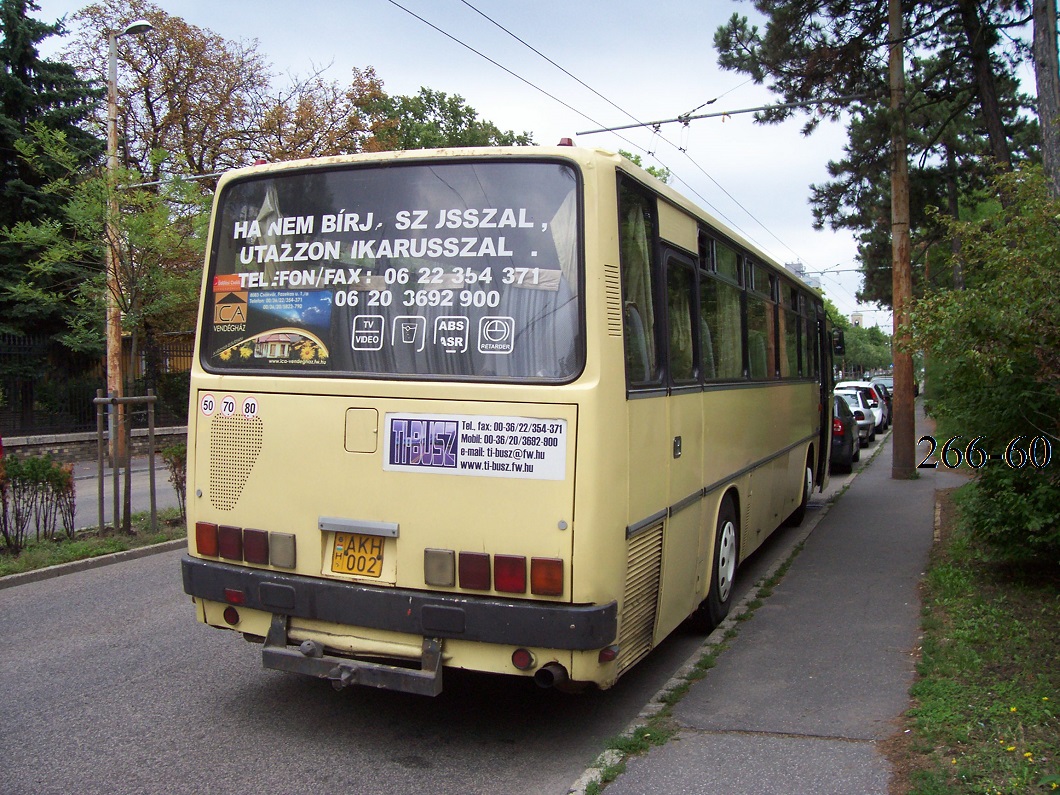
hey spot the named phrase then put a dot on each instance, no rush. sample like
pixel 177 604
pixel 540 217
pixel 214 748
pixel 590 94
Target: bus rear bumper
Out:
pixel 309 659
pixel 487 619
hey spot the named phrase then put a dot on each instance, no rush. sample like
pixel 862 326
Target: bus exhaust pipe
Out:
pixel 550 675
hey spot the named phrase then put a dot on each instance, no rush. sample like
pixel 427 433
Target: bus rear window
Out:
pixel 464 270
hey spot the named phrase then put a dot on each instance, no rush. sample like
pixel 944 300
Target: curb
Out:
pixel 656 703
pixel 11 580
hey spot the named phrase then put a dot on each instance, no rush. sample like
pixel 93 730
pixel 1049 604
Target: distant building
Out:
pixel 800 270
pixel 857 320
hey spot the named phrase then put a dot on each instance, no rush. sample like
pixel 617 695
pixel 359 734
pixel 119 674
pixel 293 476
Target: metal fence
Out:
pixel 47 390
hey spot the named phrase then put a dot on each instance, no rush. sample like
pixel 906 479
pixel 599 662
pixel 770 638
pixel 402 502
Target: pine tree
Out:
pixel 34 91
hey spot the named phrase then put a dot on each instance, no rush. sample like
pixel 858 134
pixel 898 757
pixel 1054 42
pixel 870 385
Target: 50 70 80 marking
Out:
pixel 1036 451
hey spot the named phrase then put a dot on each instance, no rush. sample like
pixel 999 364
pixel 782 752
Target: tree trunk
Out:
pixel 904 457
pixel 979 49
pixel 1047 78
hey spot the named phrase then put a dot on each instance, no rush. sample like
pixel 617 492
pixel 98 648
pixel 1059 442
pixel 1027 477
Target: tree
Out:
pixel 662 174
pixel 998 345
pixel 814 51
pixel 181 89
pixel 215 104
pixel 433 119
pixel 163 238
pixel 963 110
pixel 35 93
pixel 316 118
pixel 1047 79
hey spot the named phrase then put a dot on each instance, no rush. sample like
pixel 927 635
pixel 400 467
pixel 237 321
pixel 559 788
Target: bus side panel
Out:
pixel 685 528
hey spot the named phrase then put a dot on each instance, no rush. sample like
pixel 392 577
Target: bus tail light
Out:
pixel 234 596
pixel 206 538
pixel 231 616
pixel 608 654
pixel 546 576
pixel 230 542
pixel 256 546
pixel 509 573
pixel 474 570
pixel 523 659
pixel 281 550
pixel 439 567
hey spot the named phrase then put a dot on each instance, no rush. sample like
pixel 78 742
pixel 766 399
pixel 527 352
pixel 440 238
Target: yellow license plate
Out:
pixel 357 554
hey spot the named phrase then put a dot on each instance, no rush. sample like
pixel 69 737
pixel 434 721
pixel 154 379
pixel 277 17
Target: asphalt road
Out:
pixel 111 686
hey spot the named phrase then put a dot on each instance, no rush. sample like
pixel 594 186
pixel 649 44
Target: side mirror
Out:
pixel 838 343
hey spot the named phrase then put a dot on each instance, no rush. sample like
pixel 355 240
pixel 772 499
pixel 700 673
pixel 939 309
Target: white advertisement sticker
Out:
pixel 484 446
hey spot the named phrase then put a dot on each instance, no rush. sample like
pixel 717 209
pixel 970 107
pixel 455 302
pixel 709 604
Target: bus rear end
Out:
pixel 383 426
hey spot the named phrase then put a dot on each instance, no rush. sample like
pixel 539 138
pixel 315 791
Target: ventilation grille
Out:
pixel 613 294
pixel 234 446
pixel 643 568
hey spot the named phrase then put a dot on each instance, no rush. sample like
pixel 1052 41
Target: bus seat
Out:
pixel 637 359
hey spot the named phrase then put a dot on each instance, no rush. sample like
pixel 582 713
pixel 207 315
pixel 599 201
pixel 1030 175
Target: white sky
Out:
pixel 655 66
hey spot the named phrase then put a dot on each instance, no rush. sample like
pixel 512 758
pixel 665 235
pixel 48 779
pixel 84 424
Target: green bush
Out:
pixel 1016 510
pixel 176 458
pixel 994 352
pixel 37 489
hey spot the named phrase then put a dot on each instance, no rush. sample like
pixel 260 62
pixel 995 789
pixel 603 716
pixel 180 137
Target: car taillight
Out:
pixel 859 415
pixel 837 427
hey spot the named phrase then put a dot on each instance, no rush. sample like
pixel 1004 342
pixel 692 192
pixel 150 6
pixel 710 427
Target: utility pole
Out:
pixel 904 458
pixel 115 386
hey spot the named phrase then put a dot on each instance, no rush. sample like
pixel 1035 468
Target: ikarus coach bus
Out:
pixel 512 410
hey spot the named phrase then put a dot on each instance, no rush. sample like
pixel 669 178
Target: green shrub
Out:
pixel 994 351
pixel 35 488
pixel 1016 510
pixel 176 458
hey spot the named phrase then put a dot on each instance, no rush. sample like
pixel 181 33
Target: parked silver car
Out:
pixel 876 400
pixel 859 406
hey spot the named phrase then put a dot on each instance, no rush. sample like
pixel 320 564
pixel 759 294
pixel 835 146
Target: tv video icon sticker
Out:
pixel 368 333
pixel 496 335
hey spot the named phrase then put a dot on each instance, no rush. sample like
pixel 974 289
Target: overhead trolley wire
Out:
pixel 685 119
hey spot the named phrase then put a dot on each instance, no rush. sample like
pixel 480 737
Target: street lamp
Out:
pixel 113 250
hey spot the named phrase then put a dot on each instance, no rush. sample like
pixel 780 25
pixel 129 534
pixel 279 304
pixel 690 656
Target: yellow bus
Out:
pixel 520 411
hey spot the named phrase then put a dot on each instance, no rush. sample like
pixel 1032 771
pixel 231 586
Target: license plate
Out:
pixel 357 554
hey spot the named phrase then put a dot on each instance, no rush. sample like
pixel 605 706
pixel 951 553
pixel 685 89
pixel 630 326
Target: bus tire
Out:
pixel 715 607
pixel 807 489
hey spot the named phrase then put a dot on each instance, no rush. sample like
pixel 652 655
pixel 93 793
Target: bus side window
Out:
pixel 635 255
pixel 680 293
pixel 722 338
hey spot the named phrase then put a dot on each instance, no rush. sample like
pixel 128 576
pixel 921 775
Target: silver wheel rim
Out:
pixel 808 486
pixel 726 559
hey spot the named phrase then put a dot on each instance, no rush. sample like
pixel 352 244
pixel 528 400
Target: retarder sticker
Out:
pixel 500 447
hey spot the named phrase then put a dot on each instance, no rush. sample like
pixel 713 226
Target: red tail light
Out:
pixel 206 538
pixel 256 546
pixel 230 542
pixel 837 427
pixel 474 570
pixel 509 573
pixel 546 576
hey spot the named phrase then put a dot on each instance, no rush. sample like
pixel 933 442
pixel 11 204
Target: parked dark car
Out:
pixel 846 446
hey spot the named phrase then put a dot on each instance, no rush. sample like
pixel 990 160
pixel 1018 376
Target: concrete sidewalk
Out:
pixel 801 698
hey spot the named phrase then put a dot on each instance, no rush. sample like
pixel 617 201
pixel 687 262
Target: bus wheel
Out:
pixel 715 607
pixel 807 489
